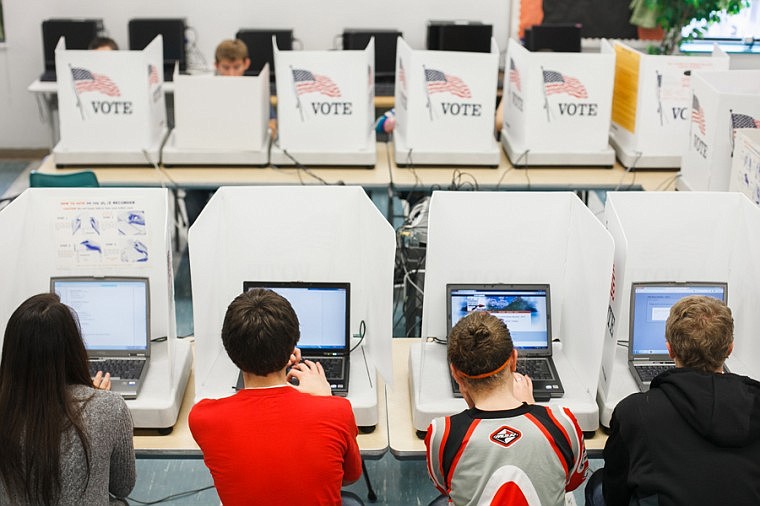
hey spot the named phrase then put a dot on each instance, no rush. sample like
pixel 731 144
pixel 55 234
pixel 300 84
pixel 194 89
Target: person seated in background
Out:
pixel 103 44
pixel 64 439
pixel 503 449
pixel 275 442
pixel 231 58
pixel 694 436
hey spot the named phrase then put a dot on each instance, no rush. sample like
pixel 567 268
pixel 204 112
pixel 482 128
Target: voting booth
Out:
pixel 325 107
pixel 445 106
pixel 679 237
pixel 652 104
pixel 102 233
pixel 723 102
pixel 219 120
pixel 557 107
pixel 111 106
pixel 745 168
pixel 335 234
pixel 516 238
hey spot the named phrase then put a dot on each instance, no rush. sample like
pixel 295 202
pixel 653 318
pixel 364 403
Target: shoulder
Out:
pixel 97 401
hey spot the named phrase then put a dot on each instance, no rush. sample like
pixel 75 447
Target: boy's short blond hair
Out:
pixel 231 49
pixel 700 331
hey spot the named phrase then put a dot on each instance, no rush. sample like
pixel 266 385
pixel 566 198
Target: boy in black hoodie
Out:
pixel 694 437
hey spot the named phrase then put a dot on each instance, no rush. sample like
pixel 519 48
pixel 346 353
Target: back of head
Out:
pixel 259 332
pixel 700 331
pixel 231 49
pixel 480 344
pixel 103 43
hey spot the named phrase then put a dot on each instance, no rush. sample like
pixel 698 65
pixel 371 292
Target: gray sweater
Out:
pixel 108 425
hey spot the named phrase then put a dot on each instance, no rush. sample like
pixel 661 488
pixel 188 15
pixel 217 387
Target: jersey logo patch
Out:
pixel 505 436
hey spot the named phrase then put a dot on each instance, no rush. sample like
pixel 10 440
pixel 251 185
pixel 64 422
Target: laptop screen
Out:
pixel 112 312
pixel 650 307
pixel 322 310
pixel 524 308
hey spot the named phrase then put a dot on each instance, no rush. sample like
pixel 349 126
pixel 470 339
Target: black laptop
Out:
pixel 323 311
pixel 78 33
pixel 526 310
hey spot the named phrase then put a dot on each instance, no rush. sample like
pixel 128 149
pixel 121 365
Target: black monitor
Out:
pixel 260 49
pixel 560 37
pixel 471 36
pixel 143 31
pixel 385 47
pixel 77 32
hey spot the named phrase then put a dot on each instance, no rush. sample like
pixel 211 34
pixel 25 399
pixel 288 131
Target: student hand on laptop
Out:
pixel 522 388
pixel 311 378
pixel 102 381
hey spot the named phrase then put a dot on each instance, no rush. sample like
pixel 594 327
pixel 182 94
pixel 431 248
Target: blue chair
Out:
pixel 84 179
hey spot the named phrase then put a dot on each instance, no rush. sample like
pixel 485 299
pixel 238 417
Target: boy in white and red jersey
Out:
pixel 504 449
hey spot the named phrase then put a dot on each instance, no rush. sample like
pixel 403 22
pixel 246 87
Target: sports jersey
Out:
pixel 530 455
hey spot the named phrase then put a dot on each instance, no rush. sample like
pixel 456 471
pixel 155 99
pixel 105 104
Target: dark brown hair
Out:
pixel 260 331
pixel 43 354
pixel 700 331
pixel 478 344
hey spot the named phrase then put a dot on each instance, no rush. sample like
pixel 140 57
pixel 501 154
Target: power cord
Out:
pixel 360 335
pixel 179 495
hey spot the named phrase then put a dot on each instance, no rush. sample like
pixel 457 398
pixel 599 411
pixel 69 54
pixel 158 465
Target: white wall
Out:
pixel 315 23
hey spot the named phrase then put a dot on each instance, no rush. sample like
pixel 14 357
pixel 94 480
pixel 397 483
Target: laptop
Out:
pixel 526 309
pixel 114 316
pixel 79 33
pixel 172 30
pixel 323 311
pixel 385 55
pixel 650 307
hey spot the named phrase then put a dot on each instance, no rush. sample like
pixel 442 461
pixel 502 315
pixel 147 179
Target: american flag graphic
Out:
pixel 84 81
pixel 697 114
pixel 744 121
pixel 438 82
pixel 152 74
pixel 612 284
pixel 555 82
pixel 307 82
pixel 402 74
pixel 514 74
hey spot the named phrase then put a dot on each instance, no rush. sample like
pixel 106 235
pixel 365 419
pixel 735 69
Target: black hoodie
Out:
pixel 692 439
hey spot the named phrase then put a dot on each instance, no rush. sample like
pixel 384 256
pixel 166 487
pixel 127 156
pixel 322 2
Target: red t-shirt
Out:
pixel 277 446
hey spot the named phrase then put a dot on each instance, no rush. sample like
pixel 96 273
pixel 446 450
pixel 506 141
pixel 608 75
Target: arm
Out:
pixel 352 459
pixel 576 475
pixel 616 466
pixel 432 452
pixel 122 469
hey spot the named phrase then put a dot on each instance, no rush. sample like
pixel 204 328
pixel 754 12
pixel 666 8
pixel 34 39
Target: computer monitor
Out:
pixel 561 38
pixel 260 49
pixel 385 47
pixel 143 31
pixel 77 32
pixel 472 36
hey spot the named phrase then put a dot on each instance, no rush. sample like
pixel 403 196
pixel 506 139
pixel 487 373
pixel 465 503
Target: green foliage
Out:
pixel 673 15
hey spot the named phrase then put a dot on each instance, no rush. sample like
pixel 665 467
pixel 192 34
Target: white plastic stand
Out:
pixel 650 108
pixel 679 236
pixel 445 106
pixel 38 223
pixel 557 107
pixel 723 102
pixel 111 106
pixel 205 132
pixel 520 238
pixel 333 234
pixel 325 108
pixel 745 169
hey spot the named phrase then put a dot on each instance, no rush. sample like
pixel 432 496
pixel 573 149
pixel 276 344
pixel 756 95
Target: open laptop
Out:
pixel 114 315
pixel 526 309
pixel 650 307
pixel 323 311
pixel 385 55
pixel 79 33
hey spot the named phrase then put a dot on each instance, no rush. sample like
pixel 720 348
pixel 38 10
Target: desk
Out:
pixel 180 443
pixel 402 438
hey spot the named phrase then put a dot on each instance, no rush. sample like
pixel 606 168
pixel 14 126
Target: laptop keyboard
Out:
pixel 333 367
pixel 648 372
pixel 385 89
pixel 119 369
pixel 536 369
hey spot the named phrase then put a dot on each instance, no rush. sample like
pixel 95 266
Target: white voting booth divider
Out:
pixel 445 106
pixel 335 234
pixel 680 236
pixel 111 106
pixel 723 102
pixel 745 169
pixel 651 105
pixel 558 106
pixel 105 242
pixel 219 120
pixel 516 238
pixel 325 107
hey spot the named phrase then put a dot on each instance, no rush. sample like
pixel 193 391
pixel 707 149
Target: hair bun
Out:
pixel 481 332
